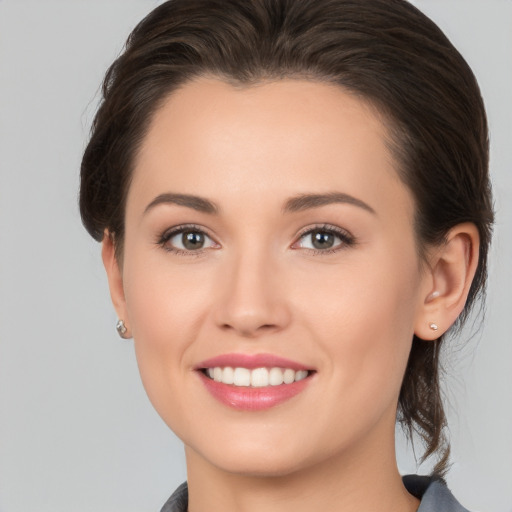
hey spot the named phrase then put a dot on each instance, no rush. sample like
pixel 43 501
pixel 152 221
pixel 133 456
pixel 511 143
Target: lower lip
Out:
pixel 253 399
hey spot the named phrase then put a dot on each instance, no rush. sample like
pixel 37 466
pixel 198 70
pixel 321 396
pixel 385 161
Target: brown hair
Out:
pixel 385 51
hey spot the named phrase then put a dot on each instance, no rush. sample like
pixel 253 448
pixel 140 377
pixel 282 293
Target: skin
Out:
pixel 258 287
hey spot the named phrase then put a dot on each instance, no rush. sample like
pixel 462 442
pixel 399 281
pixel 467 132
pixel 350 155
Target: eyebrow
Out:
pixel 307 201
pixel 294 204
pixel 190 201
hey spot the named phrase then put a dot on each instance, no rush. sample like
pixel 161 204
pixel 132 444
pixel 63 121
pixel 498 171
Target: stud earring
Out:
pixel 121 329
pixel 433 326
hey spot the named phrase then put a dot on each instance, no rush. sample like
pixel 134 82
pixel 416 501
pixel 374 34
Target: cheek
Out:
pixel 364 321
pixel 165 300
pixel 164 306
pixel 166 309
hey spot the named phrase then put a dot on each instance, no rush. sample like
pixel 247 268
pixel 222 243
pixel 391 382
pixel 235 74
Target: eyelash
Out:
pixel 347 240
pixel 167 235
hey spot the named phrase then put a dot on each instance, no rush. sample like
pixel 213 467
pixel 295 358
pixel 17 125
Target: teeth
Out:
pixel 242 377
pixel 228 376
pixel 288 376
pixel 301 374
pixel 257 378
pixel 275 376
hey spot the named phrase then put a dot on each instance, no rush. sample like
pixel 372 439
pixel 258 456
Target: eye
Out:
pixel 325 239
pixel 186 239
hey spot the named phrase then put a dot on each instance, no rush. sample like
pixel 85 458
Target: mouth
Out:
pixel 255 378
pixel 253 382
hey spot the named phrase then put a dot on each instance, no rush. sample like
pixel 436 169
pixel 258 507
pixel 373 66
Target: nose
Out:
pixel 252 298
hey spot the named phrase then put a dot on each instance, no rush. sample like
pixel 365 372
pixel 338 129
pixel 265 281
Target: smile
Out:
pixel 256 378
pixel 253 382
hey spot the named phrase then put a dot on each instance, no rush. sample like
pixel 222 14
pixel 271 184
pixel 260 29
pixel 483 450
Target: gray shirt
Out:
pixel 433 493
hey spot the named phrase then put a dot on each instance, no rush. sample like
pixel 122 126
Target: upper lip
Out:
pixel 251 361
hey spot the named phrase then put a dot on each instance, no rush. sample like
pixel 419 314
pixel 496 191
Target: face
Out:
pixel 269 240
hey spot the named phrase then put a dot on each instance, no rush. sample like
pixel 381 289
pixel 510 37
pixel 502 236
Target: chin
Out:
pixel 264 458
pixel 260 466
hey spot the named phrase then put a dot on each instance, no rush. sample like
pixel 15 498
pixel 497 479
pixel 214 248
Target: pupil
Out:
pixel 322 240
pixel 192 240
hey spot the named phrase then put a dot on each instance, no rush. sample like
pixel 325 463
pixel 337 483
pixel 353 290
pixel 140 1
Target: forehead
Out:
pixel 284 137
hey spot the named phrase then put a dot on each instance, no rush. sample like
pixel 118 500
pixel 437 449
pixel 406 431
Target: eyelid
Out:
pixel 347 239
pixel 170 233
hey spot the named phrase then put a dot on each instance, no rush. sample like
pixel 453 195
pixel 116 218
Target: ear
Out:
pixel 447 281
pixel 115 278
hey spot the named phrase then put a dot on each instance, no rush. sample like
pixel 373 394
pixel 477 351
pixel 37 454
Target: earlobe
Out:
pixel 452 268
pixel 115 277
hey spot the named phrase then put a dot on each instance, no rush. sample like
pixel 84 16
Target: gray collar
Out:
pixel 433 493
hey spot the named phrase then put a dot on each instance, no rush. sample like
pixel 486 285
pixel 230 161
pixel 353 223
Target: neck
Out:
pixel 363 478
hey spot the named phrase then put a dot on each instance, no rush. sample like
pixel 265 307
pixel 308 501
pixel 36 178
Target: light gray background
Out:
pixel 76 430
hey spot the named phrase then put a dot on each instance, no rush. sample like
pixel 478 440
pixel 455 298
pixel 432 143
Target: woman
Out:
pixel 294 205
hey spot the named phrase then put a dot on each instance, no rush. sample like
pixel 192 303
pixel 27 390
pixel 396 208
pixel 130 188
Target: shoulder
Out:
pixel 178 502
pixel 433 493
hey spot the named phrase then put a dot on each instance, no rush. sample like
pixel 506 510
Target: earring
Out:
pixel 433 326
pixel 121 329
